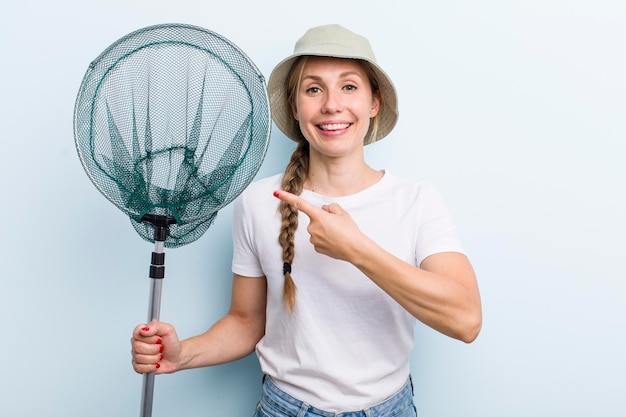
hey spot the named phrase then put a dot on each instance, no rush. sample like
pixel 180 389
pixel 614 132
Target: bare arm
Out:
pixel 156 346
pixel 441 293
pixel 236 334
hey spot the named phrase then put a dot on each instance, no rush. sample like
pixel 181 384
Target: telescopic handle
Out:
pixel 157 273
pixel 153 314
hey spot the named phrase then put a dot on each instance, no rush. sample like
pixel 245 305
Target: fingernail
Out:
pixel 158 365
pixel 161 348
pixel 276 194
pixel 145 329
pixel 161 358
pixel 159 341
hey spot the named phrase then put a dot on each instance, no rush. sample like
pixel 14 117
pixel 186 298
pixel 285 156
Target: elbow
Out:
pixel 471 322
pixel 470 335
pixel 470 329
pixel 465 328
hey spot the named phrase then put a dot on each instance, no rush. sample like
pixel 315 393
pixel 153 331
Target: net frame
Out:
pixel 119 159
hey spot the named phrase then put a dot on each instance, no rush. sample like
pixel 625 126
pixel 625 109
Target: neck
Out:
pixel 340 179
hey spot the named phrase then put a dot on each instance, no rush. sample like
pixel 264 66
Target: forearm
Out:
pixel 232 337
pixel 443 294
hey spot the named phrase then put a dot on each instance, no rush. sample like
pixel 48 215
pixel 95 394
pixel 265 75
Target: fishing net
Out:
pixel 172 120
pixel 171 124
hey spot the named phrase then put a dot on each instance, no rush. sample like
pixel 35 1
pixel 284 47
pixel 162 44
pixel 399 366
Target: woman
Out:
pixel 330 305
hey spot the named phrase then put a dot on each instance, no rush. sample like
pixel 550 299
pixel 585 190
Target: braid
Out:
pixel 293 180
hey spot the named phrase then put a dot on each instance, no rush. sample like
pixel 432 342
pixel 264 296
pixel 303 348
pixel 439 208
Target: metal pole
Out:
pixel 147 396
pixel 157 273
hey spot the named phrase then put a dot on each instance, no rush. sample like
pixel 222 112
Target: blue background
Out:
pixel 514 109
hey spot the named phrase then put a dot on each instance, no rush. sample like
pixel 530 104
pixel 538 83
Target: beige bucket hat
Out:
pixel 338 42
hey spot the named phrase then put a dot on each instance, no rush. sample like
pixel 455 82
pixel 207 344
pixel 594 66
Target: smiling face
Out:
pixel 333 105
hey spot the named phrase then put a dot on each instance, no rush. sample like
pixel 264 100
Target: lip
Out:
pixel 333 128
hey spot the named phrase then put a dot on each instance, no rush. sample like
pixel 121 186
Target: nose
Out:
pixel 332 102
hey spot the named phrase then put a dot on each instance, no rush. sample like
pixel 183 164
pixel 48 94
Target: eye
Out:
pixel 313 90
pixel 350 87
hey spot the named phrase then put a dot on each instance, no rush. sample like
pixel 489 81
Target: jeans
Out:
pixel 276 403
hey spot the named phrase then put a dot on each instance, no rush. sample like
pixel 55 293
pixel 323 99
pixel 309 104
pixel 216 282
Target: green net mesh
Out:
pixel 172 120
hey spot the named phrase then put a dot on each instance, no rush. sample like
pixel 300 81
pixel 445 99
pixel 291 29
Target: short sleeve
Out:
pixel 245 256
pixel 437 231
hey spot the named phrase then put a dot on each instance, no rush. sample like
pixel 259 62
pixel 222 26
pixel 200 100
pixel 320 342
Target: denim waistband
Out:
pixel 285 403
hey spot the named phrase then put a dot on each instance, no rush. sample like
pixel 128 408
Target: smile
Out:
pixel 334 126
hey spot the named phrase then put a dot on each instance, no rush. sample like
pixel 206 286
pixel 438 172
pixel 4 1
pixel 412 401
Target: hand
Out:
pixel 155 347
pixel 333 232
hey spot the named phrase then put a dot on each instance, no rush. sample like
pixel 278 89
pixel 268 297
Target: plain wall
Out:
pixel 515 110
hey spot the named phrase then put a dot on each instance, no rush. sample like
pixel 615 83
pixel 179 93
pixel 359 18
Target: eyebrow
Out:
pixel 341 75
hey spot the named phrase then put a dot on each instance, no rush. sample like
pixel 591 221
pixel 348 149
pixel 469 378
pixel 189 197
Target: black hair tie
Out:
pixel 286 268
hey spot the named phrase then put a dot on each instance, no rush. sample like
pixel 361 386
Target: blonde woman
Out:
pixel 333 260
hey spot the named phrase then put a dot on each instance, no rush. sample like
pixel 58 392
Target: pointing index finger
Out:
pixel 298 202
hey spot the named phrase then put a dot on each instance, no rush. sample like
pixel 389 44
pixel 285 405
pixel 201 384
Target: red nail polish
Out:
pixel 161 358
pixel 158 365
pixel 159 341
pixel 161 348
pixel 145 329
pixel 276 194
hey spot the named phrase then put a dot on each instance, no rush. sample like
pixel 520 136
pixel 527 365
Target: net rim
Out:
pixel 184 27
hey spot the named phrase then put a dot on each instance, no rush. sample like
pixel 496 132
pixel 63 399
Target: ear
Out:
pixel 375 106
pixel 294 109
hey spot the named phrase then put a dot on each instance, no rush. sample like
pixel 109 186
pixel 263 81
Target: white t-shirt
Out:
pixel 347 344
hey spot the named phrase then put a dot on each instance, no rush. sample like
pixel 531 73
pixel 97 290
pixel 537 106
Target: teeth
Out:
pixel 335 126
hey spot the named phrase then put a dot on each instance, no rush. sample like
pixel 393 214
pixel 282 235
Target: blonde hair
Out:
pixel 297 171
